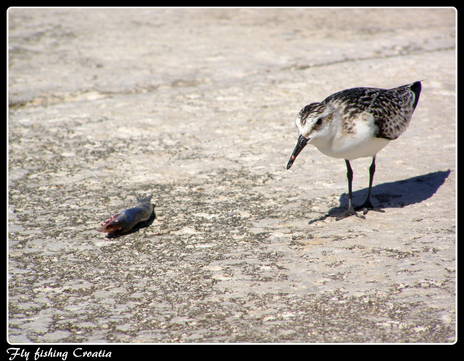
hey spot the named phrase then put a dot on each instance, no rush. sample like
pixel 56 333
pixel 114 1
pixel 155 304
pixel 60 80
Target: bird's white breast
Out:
pixel 357 142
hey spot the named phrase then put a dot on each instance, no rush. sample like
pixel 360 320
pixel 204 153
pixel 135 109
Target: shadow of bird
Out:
pixel 395 194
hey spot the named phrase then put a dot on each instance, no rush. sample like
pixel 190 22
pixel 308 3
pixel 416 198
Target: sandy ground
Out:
pixel 197 107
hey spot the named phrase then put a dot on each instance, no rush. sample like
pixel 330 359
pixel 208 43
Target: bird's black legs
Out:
pixel 367 203
pixel 351 210
pixel 349 176
pixel 371 179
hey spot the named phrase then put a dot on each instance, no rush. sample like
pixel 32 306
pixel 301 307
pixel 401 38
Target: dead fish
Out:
pixel 130 220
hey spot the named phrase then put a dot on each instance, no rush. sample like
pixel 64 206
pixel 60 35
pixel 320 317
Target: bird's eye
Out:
pixel 319 122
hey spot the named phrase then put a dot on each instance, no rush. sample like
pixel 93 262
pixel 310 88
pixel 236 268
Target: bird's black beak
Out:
pixel 302 141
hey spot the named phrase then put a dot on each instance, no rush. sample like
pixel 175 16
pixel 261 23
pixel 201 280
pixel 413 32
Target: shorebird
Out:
pixel 355 123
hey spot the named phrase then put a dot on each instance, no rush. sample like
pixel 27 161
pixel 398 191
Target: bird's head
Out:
pixel 313 122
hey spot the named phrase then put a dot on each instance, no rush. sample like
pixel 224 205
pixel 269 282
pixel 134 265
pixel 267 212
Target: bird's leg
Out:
pixel 350 211
pixel 367 205
pixel 349 175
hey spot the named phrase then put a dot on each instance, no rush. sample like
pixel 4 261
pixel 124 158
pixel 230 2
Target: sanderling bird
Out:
pixel 355 123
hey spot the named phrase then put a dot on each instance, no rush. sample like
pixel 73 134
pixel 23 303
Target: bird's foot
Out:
pixel 348 213
pixel 367 206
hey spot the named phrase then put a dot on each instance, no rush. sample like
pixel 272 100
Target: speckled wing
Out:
pixel 355 100
pixel 393 109
pixel 351 103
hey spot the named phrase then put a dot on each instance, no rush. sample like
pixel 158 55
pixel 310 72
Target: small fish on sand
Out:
pixel 130 220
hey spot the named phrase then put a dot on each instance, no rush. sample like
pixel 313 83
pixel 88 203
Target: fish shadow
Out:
pixel 134 229
pixel 395 194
